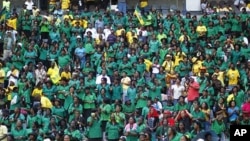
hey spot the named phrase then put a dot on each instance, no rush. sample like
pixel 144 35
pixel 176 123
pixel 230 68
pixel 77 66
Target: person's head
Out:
pixel 197 125
pixel 208 137
pixel 131 120
pixel 181 125
pixel 165 122
pixel 232 103
pixel 185 138
pixel 172 131
pixel 204 105
pixel 112 118
pixel 142 136
pixel 66 138
pixel 118 108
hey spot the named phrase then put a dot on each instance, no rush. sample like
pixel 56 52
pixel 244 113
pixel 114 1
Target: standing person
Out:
pixel 122 6
pixel 113 129
pixel 105 112
pixel 152 120
pixel 177 90
pixel 125 85
pixel 94 132
pixel 131 130
pixel 192 90
pixel 8 44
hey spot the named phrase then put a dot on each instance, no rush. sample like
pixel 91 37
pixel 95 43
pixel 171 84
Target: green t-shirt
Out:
pixel 218 127
pixel 113 130
pixel 94 131
pixel 105 112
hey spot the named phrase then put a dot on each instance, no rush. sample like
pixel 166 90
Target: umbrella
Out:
pixel 203 134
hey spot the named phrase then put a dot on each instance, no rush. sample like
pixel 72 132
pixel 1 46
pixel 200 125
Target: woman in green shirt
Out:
pixel 113 129
pixel 94 132
pixel 88 100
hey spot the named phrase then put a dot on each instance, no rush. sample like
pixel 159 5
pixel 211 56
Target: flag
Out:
pixel 12 23
pixel 3 14
pixel 138 15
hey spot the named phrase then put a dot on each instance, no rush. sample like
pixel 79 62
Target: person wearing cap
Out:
pixel 168 64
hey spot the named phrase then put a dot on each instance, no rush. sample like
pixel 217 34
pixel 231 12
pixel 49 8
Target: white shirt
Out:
pixel 40 75
pixel 106 32
pixel 177 91
pixel 155 68
pixel 92 30
pixel 11 78
pixel 99 79
pixel 29 5
pixel 144 32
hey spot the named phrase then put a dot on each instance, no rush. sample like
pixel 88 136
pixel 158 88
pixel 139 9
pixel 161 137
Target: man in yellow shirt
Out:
pixel 201 30
pixel 168 64
pixel 233 76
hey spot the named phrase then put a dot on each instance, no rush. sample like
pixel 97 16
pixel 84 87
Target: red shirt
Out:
pixel 246 108
pixel 193 91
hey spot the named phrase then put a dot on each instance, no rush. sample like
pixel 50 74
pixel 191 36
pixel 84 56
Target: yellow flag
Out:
pixel 12 23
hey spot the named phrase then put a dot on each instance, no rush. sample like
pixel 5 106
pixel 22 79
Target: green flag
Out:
pixel 138 15
pixel 3 14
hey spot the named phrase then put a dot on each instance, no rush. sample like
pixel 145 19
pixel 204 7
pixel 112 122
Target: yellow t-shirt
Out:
pixel 66 75
pixel 168 66
pixel 2 74
pixel 46 103
pixel 119 32
pixel 54 75
pixel 178 58
pixel 233 76
pixel 196 68
pixel 201 30
pixel 37 92
pixel 65 4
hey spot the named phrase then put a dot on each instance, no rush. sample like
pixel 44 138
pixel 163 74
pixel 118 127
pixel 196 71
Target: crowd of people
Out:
pixel 102 75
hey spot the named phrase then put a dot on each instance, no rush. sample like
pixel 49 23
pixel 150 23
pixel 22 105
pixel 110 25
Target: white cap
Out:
pixel 78 36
